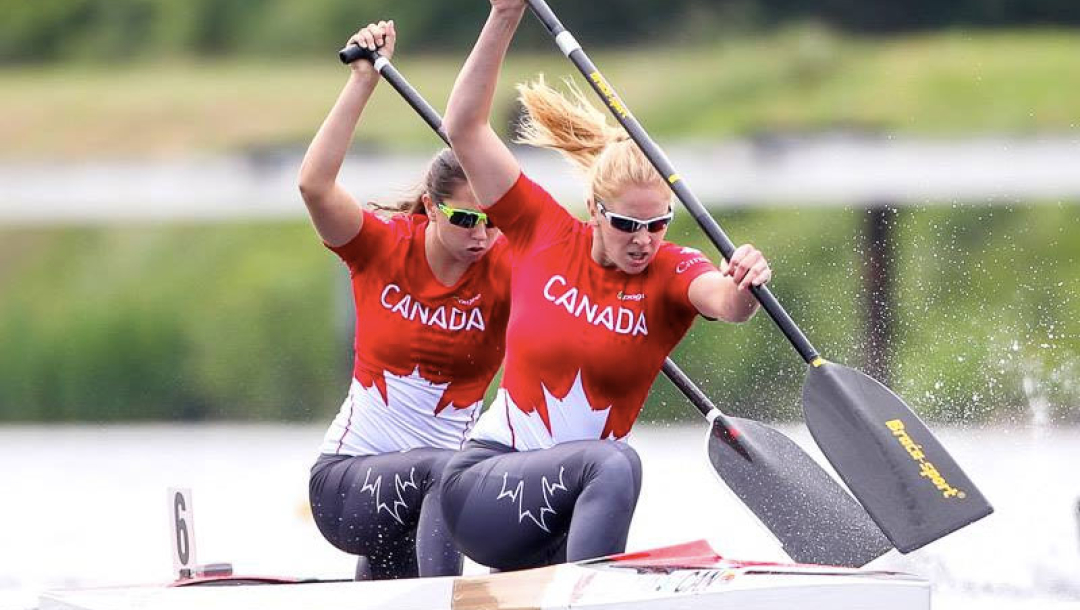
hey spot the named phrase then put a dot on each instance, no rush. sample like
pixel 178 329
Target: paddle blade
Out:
pixel 889 459
pixel 815 520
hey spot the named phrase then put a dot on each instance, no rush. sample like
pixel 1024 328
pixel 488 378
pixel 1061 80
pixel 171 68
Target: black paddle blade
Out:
pixel 806 509
pixel 889 459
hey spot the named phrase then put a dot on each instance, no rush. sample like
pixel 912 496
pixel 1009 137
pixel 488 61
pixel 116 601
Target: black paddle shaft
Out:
pixel 659 160
pixel 352 53
pixel 693 392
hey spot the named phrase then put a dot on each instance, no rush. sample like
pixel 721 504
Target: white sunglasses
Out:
pixel 629 224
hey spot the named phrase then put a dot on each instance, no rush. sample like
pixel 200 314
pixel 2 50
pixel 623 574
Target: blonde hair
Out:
pixel 580 132
pixel 443 175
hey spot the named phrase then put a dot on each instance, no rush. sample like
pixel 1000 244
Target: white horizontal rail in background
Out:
pixel 820 170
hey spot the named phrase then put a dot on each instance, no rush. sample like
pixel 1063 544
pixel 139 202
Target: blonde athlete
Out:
pixel 597 306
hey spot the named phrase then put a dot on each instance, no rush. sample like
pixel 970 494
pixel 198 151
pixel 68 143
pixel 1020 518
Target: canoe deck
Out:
pixel 684 577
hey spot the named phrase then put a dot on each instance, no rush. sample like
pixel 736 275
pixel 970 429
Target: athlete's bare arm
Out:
pixel 725 295
pixel 335 213
pixel 488 163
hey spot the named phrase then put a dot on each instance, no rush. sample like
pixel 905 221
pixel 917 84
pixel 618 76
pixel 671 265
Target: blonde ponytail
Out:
pixel 581 133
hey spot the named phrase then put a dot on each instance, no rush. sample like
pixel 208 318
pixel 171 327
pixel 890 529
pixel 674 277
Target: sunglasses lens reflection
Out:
pixel 464 219
pixel 623 224
pixel 658 225
pixel 629 225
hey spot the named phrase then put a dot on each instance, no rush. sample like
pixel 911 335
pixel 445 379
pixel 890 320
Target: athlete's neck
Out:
pixel 598 254
pixel 446 268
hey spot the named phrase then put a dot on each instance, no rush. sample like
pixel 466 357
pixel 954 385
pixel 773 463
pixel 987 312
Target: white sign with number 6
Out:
pixel 183 532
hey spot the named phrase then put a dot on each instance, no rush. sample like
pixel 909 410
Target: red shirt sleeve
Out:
pixel 682 266
pixel 374 240
pixel 529 216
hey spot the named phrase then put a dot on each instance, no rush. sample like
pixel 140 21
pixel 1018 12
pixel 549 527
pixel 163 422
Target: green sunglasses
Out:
pixel 465 219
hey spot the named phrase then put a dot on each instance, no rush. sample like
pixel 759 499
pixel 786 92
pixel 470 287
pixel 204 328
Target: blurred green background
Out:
pixel 242 321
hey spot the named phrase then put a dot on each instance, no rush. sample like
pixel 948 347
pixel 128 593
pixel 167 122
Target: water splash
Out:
pixel 1038 403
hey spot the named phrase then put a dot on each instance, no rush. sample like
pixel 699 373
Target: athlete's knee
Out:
pixel 616 467
pixel 615 457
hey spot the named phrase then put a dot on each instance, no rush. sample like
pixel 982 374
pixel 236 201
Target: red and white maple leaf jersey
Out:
pixel 585 342
pixel 425 352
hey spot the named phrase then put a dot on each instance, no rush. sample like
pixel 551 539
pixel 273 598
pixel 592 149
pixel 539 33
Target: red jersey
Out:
pixel 425 352
pixel 585 342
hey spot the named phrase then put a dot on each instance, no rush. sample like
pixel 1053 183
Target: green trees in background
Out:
pixel 246 322
pixel 220 322
pixel 50 30
pixel 987 324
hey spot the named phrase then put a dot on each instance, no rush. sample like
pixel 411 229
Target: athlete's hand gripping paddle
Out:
pixel 887 456
pixel 354 52
pixel 814 519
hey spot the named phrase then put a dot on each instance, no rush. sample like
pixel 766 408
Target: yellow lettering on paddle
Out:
pixel 926 469
pixel 609 94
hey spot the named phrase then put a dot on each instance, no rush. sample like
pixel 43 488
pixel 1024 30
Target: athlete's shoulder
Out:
pixel 522 192
pixel 400 227
pixel 671 253
pixel 527 187
pixel 378 235
pixel 412 224
pixel 526 205
pixel 675 260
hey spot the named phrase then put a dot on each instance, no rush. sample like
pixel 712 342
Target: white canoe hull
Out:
pixel 686 577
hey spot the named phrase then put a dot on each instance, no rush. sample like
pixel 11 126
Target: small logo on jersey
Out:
pixel 399 486
pixel 468 302
pixel 622 296
pixel 689 251
pixel 578 304
pixel 683 266
pixel 446 318
pixel 547 490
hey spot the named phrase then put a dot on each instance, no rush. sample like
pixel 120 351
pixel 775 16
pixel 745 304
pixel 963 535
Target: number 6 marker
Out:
pixel 183 533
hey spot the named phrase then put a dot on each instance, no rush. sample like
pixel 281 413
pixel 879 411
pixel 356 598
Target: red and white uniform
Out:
pixel 425 352
pixel 585 342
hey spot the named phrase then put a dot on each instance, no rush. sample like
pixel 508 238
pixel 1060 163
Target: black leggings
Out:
pixel 386 509
pixel 512 510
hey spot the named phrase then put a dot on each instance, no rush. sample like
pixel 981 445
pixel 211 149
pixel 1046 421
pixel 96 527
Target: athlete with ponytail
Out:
pixel 431 288
pixel 597 306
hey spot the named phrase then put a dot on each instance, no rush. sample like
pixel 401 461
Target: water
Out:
pixel 86 506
